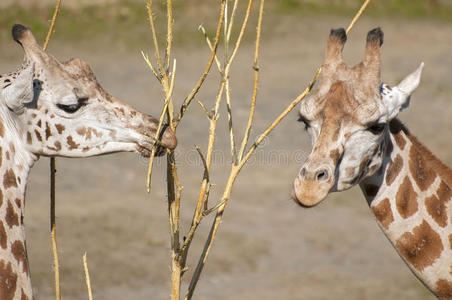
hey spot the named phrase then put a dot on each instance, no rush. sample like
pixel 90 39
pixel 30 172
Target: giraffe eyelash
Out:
pixel 305 121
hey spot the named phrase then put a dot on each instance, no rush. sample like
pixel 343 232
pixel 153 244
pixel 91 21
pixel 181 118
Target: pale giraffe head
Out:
pixel 60 109
pixel 347 119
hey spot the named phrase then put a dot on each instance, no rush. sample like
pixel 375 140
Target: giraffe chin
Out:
pixel 309 193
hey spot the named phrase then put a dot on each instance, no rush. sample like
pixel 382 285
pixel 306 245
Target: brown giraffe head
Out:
pixel 347 117
pixel 60 109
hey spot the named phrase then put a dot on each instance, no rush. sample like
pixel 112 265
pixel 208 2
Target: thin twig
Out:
pixel 56 263
pixel 52 24
pixel 154 35
pixel 88 281
pixel 149 63
pixel 233 175
pixel 256 81
pixel 159 128
pixel 195 90
pixel 201 27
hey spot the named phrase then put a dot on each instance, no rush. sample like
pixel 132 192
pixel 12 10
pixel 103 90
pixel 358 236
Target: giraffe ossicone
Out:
pixel 55 109
pixel 357 140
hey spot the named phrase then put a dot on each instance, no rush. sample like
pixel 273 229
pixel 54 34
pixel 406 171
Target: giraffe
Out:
pixel 357 139
pixel 53 109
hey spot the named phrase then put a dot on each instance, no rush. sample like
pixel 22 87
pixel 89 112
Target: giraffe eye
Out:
pixel 377 128
pixel 70 109
pixel 305 121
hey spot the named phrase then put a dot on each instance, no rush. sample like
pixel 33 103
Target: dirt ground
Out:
pixel 267 247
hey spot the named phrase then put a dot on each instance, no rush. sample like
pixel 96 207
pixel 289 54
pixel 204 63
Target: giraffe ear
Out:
pixel 20 91
pixel 398 98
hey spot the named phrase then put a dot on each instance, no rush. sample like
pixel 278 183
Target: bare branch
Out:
pixel 256 82
pixel 88 281
pixel 195 90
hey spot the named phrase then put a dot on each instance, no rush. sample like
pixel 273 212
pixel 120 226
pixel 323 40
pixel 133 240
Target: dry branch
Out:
pixel 56 263
pixel 179 252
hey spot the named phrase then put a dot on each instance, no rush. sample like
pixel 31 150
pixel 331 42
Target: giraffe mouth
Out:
pixel 146 151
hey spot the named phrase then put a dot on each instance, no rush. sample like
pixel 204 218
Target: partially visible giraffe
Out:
pixel 351 118
pixel 54 109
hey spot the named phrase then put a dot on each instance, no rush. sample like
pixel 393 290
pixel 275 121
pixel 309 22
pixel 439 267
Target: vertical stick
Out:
pixel 56 264
pixel 88 281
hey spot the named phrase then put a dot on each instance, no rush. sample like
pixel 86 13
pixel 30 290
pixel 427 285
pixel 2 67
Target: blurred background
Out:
pixel 267 247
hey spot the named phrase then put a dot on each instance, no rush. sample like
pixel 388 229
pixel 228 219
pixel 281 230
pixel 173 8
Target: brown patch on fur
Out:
pixel 11 217
pixel 3 237
pixel 56 148
pixel 421 172
pixel 406 199
pixel 7 155
pixel 9 179
pixel 2 129
pixel 18 250
pixel 57 145
pixel 394 170
pixel 397 129
pixel 29 139
pixel 444 192
pixel 18 202
pixel 12 148
pixel 8 281
pixel 334 155
pixel 60 128
pixel 39 124
pixel 441 169
pixel 81 131
pixel 24 297
pixel 371 190
pixel 444 289
pixel 450 241
pixel 38 135
pixel 400 141
pixel 422 247
pixel 85 149
pixel 350 172
pixel 437 210
pixel 48 131
pixel 72 145
pixel 383 213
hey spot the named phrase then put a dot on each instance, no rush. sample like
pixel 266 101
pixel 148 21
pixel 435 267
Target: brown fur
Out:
pixel 422 247
pixel 406 199
pixel 444 289
pixel 422 173
pixel 383 213
pixel 394 170
pixel 437 210
pixel 9 179
pixel 19 253
pixel 3 237
pixel 11 217
pixel 8 281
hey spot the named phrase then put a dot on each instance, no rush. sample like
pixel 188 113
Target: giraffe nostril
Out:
pixel 322 175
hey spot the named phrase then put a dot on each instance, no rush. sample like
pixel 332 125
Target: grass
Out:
pixel 126 21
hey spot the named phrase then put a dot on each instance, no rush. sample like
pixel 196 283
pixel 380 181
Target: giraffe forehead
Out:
pixel 339 103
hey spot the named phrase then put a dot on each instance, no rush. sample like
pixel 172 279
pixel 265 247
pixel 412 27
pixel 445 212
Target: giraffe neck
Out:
pixel 410 197
pixel 15 163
